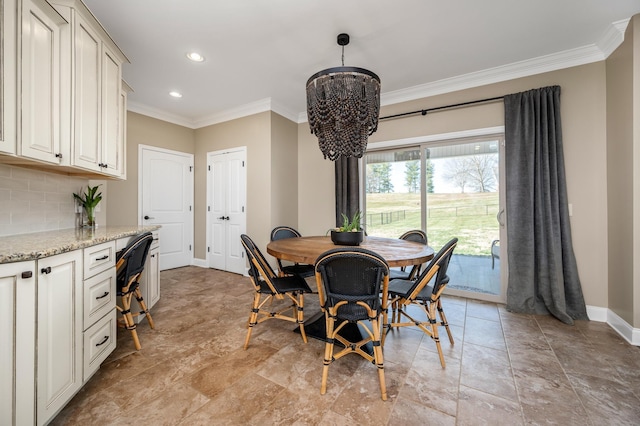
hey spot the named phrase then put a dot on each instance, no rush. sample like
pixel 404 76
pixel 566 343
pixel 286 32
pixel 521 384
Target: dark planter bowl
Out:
pixel 347 238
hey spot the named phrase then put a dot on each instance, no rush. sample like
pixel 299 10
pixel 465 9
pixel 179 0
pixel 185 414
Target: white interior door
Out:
pixel 226 200
pixel 165 180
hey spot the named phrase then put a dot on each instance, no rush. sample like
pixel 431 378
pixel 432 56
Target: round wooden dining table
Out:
pixel 395 251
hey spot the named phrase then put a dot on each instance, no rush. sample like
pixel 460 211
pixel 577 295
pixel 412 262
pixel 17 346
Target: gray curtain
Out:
pixel 347 187
pixel 543 276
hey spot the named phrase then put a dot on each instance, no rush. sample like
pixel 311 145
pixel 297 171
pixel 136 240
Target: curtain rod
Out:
pixel 425 111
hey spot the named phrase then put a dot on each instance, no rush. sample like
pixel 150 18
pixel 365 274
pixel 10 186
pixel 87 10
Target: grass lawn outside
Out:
pixel 470 217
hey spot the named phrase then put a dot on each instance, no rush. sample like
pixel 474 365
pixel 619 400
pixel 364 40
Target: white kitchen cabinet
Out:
pixel 97 139
pixel 59 332
pixel 8 70
pixel 40 82
pixel 17 340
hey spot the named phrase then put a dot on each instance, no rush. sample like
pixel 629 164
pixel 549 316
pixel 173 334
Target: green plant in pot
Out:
pixel 350 233
pixel 89 200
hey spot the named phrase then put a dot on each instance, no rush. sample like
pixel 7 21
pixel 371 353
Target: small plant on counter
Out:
pixel 89 200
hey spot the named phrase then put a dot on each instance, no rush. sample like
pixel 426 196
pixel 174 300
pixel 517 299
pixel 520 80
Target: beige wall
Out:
pixel 284 172
pixel 623 177
pixel 122 206
pixel 253 132
pixel 584 131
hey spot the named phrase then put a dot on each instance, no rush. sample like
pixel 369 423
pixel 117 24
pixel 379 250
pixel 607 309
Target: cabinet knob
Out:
pixel 46 270
pixel 59 155
pixel 146 217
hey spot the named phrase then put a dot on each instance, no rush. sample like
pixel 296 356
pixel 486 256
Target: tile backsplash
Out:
pixel 34 201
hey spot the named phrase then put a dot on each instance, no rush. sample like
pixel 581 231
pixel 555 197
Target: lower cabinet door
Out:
pixel 59 336
pixel 99 342
pixel 17 337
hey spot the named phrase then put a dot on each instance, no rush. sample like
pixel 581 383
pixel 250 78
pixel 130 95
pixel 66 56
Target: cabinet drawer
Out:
pixel 99 296
pixel 99 258
pixel 99 342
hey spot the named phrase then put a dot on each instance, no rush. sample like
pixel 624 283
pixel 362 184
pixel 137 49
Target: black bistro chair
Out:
pixel 350 281
pixel 404 293
pixel 418 236
pixel 129 266
pixel 303 270
pixel 272 287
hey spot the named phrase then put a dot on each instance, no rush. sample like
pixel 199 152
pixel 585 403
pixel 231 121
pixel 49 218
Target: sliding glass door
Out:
pixel 449 189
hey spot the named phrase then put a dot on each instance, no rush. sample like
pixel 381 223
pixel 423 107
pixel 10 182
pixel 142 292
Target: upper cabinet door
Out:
pixel 8 69
pixel 40 82
pixel 87 117
pixel 112 143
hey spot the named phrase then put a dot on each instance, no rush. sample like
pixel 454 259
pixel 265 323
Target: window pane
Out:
pixel 392 188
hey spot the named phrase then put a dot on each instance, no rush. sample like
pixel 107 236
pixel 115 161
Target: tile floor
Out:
pixel 503 369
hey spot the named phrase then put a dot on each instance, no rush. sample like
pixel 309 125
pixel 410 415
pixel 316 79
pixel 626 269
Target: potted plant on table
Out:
pixel 89 200
pixel 350 233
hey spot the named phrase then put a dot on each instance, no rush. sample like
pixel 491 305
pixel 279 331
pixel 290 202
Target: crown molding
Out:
pixel 613 37
pixel 245 110
pixel 542 64
pixel 159 114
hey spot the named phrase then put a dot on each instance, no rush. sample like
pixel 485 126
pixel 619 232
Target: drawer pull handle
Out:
pixel 105 257
pixel 27 274
pixel 106 293
pixel 46 270
pixel 106 338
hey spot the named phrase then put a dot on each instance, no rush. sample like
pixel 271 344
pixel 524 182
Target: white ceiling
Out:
pixel 260 53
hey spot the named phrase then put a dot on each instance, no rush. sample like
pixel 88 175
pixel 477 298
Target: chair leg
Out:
pixel 328 352
pixel 129 324
pixel 143 307
pixel 253 318
pixel 443 321
pixel 300 317
pixel 378 357
pixel 434 331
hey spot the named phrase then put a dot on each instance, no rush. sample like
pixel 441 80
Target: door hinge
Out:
pixel 189 208
pixel 209 167
pixel 208 208
pixel 242 254
pixel 189 247
pixel 190 168
pixel 208 249
pixel 242 209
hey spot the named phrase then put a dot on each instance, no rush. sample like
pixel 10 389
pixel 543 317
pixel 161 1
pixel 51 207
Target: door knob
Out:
pixel 148 217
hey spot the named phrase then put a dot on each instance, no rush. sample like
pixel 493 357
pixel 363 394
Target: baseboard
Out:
pixel 202 263
pixel 623 328
pixel 596 313
pixel 630 334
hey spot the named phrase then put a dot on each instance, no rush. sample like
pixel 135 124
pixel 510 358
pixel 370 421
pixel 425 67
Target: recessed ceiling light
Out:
pixel 195 57
pixel 175 94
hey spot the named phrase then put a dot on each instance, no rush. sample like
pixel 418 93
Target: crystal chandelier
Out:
pixel 343 105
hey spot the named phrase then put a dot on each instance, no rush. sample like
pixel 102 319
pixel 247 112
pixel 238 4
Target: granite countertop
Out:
pixel 17 248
